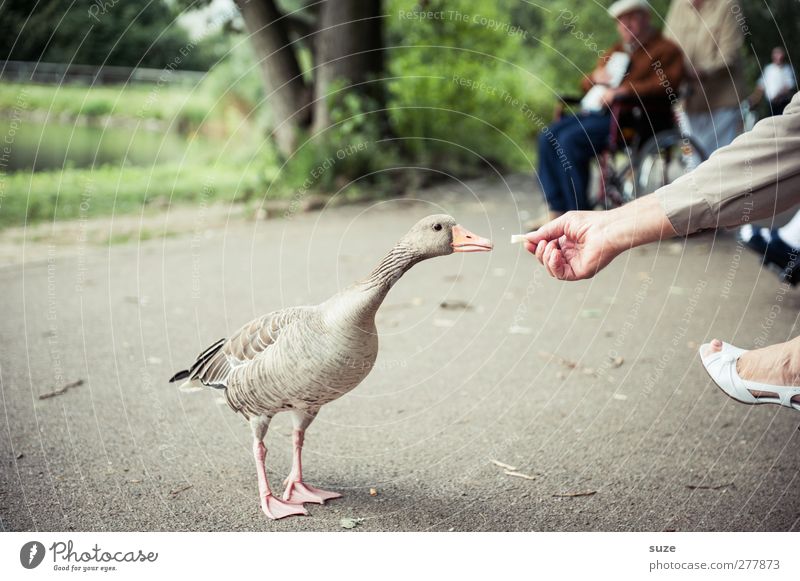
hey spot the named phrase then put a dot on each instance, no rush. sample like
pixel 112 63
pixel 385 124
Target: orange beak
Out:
pixel 466 241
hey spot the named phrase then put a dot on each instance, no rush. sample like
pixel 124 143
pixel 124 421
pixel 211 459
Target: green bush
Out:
pixel 459 89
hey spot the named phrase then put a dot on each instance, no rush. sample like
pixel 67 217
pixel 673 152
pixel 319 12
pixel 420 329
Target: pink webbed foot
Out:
pixel 298 492
pixel 275 508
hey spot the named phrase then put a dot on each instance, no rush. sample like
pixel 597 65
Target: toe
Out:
pixel 714 347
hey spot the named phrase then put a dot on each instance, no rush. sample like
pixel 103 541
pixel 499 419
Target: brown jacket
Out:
pixel 656 68
pixel 755 177
pixel 711 39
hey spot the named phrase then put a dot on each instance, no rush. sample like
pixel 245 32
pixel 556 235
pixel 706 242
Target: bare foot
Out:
pixel 773 365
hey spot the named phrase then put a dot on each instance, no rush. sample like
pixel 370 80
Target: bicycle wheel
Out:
pixel 662 159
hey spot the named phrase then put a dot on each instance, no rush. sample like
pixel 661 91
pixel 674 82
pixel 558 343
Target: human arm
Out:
pixel 756 176
pixel 662 69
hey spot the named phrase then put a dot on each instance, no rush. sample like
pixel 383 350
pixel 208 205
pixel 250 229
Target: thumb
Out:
pixel 553 230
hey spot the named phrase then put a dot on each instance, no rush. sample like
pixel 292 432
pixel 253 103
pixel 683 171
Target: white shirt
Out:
pixel 776 79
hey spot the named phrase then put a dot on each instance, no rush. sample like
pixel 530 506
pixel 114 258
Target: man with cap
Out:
pixel 643 65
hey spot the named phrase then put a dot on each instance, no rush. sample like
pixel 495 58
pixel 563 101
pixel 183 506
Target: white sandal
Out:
pixel 721 367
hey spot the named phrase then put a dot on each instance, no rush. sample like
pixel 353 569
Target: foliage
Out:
pixel 351 148
pixel 91 32
pixel 234 79
pixel 454 82
pixel 770 24
pixel 477 83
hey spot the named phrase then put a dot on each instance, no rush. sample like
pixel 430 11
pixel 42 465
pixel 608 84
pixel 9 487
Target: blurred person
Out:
pixel 711 39
pixel 567 146
pixel 578 245
pixel 777 83
pixel 778 247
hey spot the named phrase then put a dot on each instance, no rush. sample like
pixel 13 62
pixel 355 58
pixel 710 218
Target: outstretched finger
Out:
pixel 530 247
pixel 550 231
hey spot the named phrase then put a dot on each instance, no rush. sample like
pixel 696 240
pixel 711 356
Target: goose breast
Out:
pixel 296 360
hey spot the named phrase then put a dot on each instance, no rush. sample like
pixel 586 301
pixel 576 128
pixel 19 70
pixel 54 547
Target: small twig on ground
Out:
pixel 503 465
pixel 455 305
pixel 61 389
pixel 177 491
pixel 710 487
pixel 574 494
pixel 519 474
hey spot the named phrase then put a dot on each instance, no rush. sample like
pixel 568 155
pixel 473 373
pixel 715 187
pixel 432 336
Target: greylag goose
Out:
pixel 298 359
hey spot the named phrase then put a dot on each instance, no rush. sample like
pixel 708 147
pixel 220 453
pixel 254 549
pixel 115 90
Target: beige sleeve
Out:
pixel 756 176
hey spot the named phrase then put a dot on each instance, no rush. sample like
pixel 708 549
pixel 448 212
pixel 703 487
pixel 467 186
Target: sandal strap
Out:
pixel 784 393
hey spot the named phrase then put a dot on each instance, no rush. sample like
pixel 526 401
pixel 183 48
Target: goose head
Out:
pixel 439 235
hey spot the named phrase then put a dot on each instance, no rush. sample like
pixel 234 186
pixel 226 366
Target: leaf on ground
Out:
pixel 516 474
pixel 519 330
pixel 503 465
pixel 20 456
pixel 373 492
pixel 590 313
pixel 574 494
pixel 617 361
pixel 350 523
pixel 562 360
pixel 620 396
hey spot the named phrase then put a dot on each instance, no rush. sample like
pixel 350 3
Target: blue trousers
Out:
pixel 565 149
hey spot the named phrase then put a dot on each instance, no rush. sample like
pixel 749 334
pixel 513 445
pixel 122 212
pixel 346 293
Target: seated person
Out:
pixel 643 65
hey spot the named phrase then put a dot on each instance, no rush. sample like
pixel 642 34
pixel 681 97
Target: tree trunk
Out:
pixel 348 50
pixel 288 97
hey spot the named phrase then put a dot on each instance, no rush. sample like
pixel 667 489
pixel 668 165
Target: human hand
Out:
pixel 578 245
pixel 574 246
pixel 611 94
pixel 600 76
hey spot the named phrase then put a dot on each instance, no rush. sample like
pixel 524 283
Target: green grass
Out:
pixel 179 104
pixel 87 193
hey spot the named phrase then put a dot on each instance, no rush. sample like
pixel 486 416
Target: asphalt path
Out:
pixel 501 400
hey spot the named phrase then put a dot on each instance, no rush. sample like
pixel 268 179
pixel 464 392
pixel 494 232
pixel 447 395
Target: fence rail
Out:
pixel 57 73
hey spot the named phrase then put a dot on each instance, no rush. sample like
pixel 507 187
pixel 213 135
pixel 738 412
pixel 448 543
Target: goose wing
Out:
pixel 214 365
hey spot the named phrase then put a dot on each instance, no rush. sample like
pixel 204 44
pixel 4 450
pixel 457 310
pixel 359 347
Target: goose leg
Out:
pixel 297 491
pixel 273 507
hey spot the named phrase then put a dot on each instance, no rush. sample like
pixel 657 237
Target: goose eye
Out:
pixel 437 227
